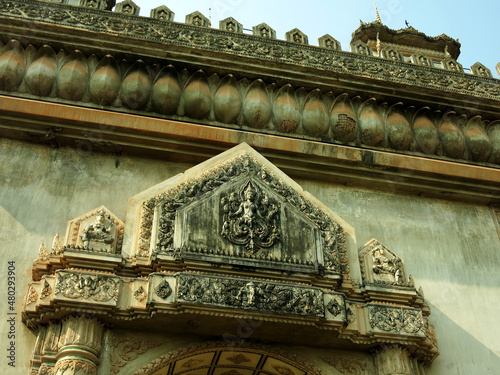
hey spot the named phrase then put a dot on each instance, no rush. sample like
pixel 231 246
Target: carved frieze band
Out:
pixel 397 320
pixel 89 287
pixel 244 45
pixel 262 296
pixel 167 203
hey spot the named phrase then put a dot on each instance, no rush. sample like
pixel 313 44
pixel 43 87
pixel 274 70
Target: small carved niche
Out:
pixel 127 7
pixel 97 231
pixel 361 48
pixel 379 265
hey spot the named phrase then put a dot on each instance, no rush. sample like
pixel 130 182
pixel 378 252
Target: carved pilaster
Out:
pixel 79 346
pixel 393 360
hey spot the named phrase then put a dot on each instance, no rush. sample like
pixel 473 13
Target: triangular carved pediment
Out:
pixel 238 208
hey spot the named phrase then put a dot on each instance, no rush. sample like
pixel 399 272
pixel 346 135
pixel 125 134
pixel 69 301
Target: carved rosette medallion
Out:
pixel 98 288
pixel 163 289
pixel 250 218
pixel 240 293
pixel 397 320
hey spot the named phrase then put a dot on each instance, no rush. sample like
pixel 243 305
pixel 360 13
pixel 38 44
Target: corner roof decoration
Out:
pixel 409 37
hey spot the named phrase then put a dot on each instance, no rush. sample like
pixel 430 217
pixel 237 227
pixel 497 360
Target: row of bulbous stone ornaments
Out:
pixel 108 82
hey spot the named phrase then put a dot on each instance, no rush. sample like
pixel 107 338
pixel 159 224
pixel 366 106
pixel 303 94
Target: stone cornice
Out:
pixel 226 43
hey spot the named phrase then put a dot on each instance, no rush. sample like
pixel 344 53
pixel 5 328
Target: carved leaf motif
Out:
pixel 239 358
pixel 232 372
pixel 192 362
pixel 46 290
pixel 284 370
pixel 347 365
pixel 43 254
pixel 125 350
pixel 32 295
pixel 75 366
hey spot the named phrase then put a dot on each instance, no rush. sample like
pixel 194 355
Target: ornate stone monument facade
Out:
pixel 222 221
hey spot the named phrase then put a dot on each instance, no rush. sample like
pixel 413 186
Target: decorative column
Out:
pixel 79 346
pixel 393 360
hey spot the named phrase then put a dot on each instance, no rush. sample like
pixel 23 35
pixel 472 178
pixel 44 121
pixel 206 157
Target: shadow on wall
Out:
pixel 460 352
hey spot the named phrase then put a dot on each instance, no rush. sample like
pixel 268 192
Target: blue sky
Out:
pixel 474 23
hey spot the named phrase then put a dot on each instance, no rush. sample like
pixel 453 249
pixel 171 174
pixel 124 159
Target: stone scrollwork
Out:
pixel 250 218
pixel 99 288
pixel 347 365
pixel 125 350
pixel 239 293
pixel 397 320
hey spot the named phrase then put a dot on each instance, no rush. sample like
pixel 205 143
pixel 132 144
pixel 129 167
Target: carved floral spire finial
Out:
pixel 376 12
pixel 43 254
pixel 56 245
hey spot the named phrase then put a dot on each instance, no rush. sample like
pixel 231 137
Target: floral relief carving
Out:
pixel 347 365
pixel 125 350
pixel 32 295
pixel 99 288
pixel 238 359
pixel 250 218
pixel 43 254
pixel 75 366
pixel 46 290
pixel 241 293
pixel 399 320
pixel 334 306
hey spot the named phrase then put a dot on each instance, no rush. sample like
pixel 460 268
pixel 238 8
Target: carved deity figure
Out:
pixel 389 269
pixel 230 27
pixel 197 21
pixel 297 38
pixel 162 15
pixel 97 232
pixel 250 219
pixel 248 294
pixel 264 33
pixel 423 61
pixel 127 8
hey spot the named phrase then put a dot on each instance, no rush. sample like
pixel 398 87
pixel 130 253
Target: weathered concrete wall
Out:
pixel 451 249
pixel 41 189
pixel 453 252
